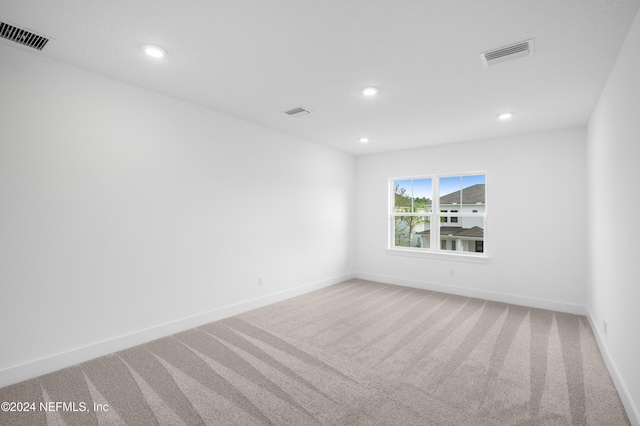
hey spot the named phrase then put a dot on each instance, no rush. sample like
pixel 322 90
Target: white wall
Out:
pixel 536 231
pixel 614 180
pixel 125 213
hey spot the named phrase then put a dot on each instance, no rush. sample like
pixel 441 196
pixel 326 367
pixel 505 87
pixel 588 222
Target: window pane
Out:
pixel 450 191
pixel 422 195
pixel 473 193
pixel 402 195
pixel 460 237
pixel 412 231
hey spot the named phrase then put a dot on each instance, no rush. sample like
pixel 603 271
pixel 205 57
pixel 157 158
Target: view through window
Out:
pixel 439 213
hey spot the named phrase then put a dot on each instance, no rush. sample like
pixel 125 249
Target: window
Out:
pixel 451 210
pixel 412 210
pixel 443 218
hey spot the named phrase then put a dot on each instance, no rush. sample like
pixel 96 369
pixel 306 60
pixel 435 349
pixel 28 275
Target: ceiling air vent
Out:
pixel 22 36
pixel 297 112
pixel 507 53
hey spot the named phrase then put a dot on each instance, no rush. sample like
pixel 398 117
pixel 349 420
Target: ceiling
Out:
pixel 254 59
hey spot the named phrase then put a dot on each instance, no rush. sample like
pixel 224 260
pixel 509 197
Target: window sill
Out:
pixel 456 257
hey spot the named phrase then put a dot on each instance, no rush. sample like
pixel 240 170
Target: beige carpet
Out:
pixel 356 353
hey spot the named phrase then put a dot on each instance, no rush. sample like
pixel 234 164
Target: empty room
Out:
pixel 319 213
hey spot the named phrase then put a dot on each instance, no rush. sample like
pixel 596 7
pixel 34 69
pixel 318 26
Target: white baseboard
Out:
pixel 480 294
pixel 28 370
pixel 618 381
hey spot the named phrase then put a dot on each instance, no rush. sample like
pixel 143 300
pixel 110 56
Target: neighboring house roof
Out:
pixel 471 195
pixel 456 231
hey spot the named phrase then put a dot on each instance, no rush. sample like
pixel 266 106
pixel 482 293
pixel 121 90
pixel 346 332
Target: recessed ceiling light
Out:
pixel 364 140
pixel 505 115
pixel 155 51
pixel 369 91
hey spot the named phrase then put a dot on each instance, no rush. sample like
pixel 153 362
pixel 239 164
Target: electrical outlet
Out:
pixel 260 280
pixel 604 326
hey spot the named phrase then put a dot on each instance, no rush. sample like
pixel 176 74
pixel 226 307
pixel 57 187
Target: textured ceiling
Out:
pixel 255 59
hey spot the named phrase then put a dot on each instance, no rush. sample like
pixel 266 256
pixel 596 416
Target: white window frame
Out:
pixel 435 250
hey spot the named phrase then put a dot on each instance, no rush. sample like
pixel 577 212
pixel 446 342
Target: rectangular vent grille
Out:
pixel 297 112
pixel 507 53
pixel 22 36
